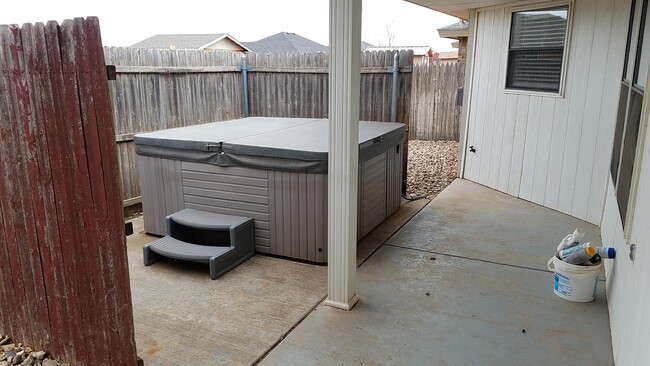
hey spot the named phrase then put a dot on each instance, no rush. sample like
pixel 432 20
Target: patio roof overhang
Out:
pixel 460 8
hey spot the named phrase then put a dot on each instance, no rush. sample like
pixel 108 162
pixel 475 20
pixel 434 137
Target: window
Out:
pixel 536 51
pixel 630 104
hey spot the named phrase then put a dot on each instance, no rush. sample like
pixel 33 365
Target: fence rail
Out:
pixel 64 283
pixel 160 89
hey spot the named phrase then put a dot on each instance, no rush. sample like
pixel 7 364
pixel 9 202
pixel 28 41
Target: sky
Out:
pixel 125 22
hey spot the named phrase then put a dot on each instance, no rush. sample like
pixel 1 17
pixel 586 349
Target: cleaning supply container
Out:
pixel 574 282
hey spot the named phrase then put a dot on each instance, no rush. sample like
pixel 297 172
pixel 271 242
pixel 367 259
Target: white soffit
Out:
pixel 460 8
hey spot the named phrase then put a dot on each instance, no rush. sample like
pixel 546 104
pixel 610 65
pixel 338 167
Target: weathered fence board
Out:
pixel 434 114
pixel 159 89
pixel 64 280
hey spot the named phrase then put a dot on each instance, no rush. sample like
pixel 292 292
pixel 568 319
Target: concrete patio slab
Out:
pixel 472 221
pixel 443 293
pixel 183 318
pixel 450 311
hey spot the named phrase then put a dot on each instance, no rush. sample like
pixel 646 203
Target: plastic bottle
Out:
pixel 607 252
pixel 593 261
pixel 571 239
pixel 580 256
pixel 566 252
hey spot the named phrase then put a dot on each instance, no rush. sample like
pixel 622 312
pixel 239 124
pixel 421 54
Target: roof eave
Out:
pixel 461 9
pixel 443 7
pixel 453 33
pixel 225 35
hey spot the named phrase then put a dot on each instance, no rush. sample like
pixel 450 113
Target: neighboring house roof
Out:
pixel 365 45
pixel 450 55
pixel 455 31
pixel 186 41
pixel 285 42
pixel 417 50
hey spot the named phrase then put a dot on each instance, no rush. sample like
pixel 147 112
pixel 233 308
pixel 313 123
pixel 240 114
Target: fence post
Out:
pixel 244 73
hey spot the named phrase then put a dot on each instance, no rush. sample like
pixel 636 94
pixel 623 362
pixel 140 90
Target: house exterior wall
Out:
pixel 225 45
pixel 542 148
pixel 628 277
pixel 628 282
pixel 556 151
pixel 462 49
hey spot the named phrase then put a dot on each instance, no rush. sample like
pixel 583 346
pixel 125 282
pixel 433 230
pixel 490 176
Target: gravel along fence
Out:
pixel 431 167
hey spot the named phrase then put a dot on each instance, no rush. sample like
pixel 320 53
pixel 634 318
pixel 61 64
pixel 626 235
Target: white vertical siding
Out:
pixel 541 148
pixel 628 282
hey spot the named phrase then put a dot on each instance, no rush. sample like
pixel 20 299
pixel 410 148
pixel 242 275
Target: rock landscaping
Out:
pixel 12 354
pixel 431 167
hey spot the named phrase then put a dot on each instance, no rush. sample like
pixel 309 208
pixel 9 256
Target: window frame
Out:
pixel 565 53
pixel 639 47
pixel 636 35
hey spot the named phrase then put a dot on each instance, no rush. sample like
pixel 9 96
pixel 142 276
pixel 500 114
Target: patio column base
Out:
pixel 342 305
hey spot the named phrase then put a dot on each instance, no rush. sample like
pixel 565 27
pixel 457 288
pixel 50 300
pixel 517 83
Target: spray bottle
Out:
pixel 606 252
pixel 580 256
pixel 571 239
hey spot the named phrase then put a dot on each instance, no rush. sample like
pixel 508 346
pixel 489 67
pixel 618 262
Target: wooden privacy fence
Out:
pixel 158 89
pixel 435 115
pixel 64 283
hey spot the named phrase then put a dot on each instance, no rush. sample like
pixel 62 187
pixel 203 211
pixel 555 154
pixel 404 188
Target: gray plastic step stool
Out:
pixel 223 241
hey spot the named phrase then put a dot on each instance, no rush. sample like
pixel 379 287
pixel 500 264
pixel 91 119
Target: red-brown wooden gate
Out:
pixel 64 282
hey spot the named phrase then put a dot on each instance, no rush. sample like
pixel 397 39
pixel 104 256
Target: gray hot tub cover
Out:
pixel 285 144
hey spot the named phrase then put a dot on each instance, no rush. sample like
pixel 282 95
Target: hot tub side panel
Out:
pixel 379 195
pixel 161 190
pixel 290 209
pixel 298 207
pixel 394 163
pixel 231 191
pixel 371 194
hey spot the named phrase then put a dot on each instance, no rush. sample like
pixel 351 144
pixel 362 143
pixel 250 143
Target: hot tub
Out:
pixel 271 169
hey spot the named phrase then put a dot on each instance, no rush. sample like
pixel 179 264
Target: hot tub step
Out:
pixel 223 241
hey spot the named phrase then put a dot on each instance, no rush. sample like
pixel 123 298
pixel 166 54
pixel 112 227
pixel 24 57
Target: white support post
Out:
pixel 344 84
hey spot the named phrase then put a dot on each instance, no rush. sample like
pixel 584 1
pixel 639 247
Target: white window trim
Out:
pixel 565 52
pixel 640 145
pixel 638 163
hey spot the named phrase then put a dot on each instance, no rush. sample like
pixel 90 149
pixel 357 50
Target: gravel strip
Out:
pixel 12 354
pixel 431 167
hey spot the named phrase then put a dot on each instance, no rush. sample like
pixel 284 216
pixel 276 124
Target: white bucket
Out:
pixel 572 282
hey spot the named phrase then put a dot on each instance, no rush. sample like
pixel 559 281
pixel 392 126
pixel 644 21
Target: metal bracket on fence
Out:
pixel 459 96
pixel 111 73
pixel 393 102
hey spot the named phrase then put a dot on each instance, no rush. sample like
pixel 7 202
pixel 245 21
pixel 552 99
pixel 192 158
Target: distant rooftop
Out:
pixel 365 45
pixel 285 42
pixel 456 30
pixel 184 41
pixel 449 55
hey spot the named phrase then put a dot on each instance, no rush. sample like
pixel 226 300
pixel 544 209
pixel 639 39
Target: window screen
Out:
pixel 536 49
